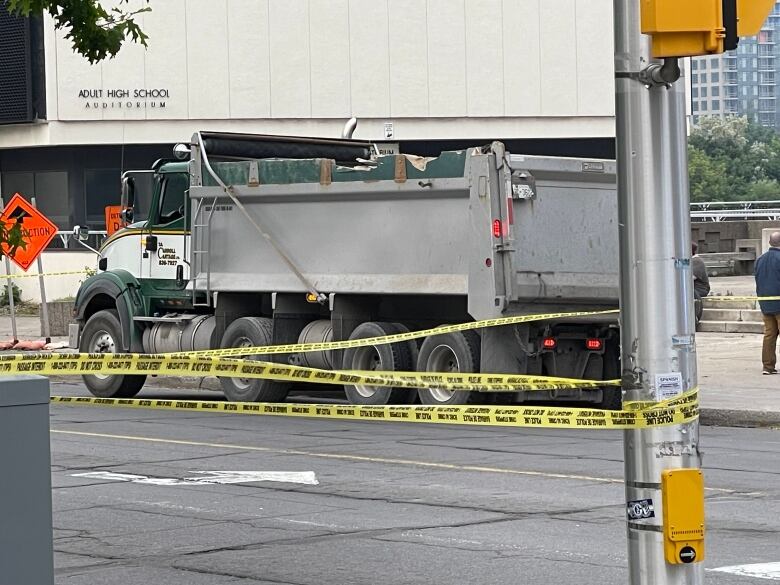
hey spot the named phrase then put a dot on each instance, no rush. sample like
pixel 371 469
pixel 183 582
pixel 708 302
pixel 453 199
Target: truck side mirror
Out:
pixel 81 233
pixel 128 192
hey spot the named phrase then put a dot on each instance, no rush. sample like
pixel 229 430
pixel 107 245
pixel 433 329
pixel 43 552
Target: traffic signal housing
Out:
pixel 701 27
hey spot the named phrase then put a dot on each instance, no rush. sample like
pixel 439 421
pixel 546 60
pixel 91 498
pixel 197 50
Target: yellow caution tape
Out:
pixel 179 365
pixel 505 416
pixel 407 336
pixel 15 276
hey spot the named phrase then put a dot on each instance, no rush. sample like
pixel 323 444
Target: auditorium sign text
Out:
pixel 124 99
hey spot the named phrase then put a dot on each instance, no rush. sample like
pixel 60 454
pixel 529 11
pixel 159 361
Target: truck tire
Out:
pixel 450 352
pixel 103 334
pixel 390 357
pixel 251 332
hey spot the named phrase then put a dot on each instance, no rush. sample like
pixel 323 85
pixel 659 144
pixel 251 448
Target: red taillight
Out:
pixel 594 344
pixel 497 228
pixel 549 343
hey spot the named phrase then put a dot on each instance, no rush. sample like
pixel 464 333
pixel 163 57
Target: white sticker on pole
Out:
pixel 668 385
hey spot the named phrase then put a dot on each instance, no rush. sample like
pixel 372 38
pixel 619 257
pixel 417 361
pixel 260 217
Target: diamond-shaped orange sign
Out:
pixel 37 230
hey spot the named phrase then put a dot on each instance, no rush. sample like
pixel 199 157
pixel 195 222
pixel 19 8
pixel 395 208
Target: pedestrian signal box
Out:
pixel 683 505
pixel 701 27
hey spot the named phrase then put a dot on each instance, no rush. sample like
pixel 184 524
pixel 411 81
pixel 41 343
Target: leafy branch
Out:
pixel 94 31
pixel 11 237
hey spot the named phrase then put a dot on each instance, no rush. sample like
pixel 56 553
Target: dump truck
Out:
pixel 255 240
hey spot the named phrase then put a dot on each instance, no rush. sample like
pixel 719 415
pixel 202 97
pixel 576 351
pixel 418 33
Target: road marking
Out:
pixel 769 571
pixel 209 477
pixel 365 458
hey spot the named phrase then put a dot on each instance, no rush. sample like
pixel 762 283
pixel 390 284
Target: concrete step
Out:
pixel 720 314
pixel 731 327
pixel 713 303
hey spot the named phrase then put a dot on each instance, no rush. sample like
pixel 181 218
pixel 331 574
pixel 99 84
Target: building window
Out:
pixel 715 92
pixel 694 64
pixel 694 78
pixel 50 189
pixel 695 92
pixel 695 106
pixel 703 78
pixel 704 92
pixel 102 187
pixel 715 105
pixel 715 77
pixel 704 106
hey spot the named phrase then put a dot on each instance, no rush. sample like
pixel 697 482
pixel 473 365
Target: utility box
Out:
pixel 25 485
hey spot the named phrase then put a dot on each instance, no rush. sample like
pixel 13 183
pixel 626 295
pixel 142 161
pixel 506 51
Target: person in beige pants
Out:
pixel 767 273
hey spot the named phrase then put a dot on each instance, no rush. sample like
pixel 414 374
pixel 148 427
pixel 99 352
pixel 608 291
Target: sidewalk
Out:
pixel 733 390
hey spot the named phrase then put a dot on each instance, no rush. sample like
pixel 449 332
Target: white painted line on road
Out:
pixel 209 477
pixel 769 571
pixel 383 460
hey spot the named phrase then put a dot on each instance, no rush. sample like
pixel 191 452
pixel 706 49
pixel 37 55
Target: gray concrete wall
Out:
pixel 714 237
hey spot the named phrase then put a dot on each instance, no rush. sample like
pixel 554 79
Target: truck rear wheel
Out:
pixel 390 357
pixel 103 334
pixel 251 332
pixel 450 352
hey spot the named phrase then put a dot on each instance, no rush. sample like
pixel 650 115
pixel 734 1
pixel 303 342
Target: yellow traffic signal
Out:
pixel 701 27
pixel 684 29
pixel 751 15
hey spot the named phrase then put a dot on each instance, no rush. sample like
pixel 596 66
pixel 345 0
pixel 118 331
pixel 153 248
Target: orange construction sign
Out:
pixel 37 230
pixel 113 219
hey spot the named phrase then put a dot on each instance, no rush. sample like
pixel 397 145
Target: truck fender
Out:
pixel 112 290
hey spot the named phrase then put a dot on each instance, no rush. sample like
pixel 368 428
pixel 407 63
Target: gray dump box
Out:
pixel 504 231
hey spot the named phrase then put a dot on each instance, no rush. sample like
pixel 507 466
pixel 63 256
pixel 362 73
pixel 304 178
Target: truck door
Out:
pixel 166 238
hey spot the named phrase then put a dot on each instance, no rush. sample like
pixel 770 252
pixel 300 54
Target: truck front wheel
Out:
pixel 103 334
pixel 450 352
pixel 251 332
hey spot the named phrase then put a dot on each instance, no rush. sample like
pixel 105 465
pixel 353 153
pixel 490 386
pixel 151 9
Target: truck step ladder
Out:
pixel 201 255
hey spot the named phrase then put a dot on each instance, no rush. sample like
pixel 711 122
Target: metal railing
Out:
pixel 717 211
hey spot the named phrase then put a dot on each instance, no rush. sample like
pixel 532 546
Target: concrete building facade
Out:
pixel 424 74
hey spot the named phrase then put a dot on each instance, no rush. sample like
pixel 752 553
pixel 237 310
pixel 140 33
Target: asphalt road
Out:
pixel 394 504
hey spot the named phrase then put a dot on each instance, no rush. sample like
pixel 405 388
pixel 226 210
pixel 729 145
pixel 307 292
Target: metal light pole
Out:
pixel 657 320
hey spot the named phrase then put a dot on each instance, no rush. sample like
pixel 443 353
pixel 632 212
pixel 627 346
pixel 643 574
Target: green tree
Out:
pixel 732 159
pixel 95 32
pixel 708 177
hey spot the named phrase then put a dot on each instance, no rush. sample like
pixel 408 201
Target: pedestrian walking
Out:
pixel 767 274
pixel 701 282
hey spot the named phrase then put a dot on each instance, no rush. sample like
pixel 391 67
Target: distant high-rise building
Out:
pixel 742 82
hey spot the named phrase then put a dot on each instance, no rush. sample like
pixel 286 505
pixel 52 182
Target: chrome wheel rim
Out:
pixel 102 342
pixel 442 359
pixel 366 359
pixel 243 383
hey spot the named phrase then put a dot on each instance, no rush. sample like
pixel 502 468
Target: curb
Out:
pixel 722 417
